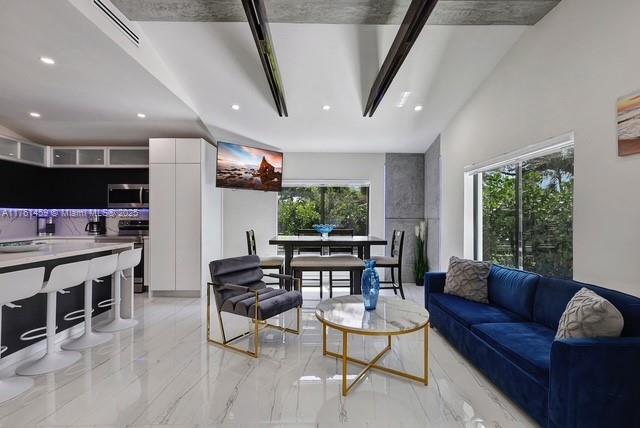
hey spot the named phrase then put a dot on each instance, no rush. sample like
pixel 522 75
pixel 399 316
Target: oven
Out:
pixel 133 231
pixel 128 196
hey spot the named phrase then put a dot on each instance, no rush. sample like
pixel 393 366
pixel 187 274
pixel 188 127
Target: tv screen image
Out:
pixel 244 167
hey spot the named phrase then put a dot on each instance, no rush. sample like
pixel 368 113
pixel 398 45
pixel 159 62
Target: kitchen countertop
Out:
pixel 58 248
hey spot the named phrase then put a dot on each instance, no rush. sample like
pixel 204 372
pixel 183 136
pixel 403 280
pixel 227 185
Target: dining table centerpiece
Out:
pixel 324 229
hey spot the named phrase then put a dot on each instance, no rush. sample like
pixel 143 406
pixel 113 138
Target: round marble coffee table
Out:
pixel 392 317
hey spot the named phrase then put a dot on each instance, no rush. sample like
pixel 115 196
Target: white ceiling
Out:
pixel 218 66
pixel 93 93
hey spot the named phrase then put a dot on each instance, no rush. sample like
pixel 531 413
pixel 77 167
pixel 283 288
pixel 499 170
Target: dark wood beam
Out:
pixel 257 17
pixel 412 24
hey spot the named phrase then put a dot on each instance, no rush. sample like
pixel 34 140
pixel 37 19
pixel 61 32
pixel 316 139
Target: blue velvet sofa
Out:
pixel 559 383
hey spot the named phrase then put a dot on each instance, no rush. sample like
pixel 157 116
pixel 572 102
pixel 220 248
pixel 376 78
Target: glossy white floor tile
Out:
pixel 164 374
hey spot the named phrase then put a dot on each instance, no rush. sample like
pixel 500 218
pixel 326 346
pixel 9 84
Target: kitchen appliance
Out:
pixel 45 226
pixel 128 196
pixel 134 231
pixel 97 225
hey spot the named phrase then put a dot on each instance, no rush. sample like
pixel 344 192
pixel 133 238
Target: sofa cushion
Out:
pixel 469 313
pixel 553 294
pixel 527 345
pixel 589 315
pixel 468 279
pixel 513 289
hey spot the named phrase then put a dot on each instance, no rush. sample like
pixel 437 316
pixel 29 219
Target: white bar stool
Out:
pixel 62 276
pixel 99 267
pixel 126 260
pixel 17 286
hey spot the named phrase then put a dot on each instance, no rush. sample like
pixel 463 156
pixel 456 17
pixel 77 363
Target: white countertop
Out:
pixel 58 248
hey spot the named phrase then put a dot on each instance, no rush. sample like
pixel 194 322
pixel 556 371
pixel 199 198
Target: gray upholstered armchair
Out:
pixel 238 288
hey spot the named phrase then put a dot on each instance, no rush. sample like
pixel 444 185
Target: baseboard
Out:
pixel 36 348
pixel 177 293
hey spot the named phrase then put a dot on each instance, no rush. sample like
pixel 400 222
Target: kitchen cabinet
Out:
pixel 91 157
pixel 181 217
pixel 162 150
pixel 128 157
pixel 33 153
pixel 162 226
pixel 187 226
pixel 65 157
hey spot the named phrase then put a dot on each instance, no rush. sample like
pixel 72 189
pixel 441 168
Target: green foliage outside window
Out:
pixel 302 207
pixel 546 193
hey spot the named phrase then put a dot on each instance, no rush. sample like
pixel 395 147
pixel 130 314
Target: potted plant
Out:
pixel 421 262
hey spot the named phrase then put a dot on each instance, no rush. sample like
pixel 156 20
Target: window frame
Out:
pixel 473 228
pixel 326 184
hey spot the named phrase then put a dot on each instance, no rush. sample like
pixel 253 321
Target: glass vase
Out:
pixel 370 285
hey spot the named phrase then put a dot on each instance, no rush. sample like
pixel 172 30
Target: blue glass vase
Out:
pixel 370 285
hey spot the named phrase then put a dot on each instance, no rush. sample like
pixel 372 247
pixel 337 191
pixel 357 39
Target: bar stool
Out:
pixel 99 267
pixel 126 260
pixel 17 286
pixel 62 276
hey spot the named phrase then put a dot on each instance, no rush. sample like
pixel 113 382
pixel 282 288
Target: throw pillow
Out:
pixel 589 315
pixel 468 279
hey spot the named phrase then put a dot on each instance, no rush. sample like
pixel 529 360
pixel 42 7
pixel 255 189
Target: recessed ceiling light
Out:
pixel 404 96
pixel 326 107
pixel 47 60
pixel 418 108
pixel 34 114
pixel 235 107
pixel 142 115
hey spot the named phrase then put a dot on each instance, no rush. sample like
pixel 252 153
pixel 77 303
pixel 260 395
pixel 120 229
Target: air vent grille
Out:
pixel 117 22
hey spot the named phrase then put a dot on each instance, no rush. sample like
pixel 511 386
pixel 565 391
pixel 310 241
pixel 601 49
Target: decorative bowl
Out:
pixel 324 229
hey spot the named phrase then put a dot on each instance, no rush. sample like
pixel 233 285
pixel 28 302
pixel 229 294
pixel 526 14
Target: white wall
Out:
pixel 564 74
pixel 247 209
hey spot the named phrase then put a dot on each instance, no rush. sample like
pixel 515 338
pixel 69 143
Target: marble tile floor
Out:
pixel 164 374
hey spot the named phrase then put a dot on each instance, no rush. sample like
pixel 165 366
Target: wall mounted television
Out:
pixel 244 167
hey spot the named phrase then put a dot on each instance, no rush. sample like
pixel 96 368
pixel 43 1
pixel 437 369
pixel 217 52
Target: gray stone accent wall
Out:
pixel 404 203
pixel 432 175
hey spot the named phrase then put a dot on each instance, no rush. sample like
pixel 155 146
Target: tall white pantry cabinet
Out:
pixel 185 215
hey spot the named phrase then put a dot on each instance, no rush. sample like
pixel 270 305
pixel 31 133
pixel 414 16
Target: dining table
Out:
pixel 290 243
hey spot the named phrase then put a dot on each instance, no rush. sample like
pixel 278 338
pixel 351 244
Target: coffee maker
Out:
pixel 45 226
pixel 97 225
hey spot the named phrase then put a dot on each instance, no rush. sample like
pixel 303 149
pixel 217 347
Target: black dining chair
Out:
pixel 266 263
pixel 340 251
pixel 319 251
pixel 393 262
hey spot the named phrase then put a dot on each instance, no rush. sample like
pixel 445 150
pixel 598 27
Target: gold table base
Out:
pixel 372 365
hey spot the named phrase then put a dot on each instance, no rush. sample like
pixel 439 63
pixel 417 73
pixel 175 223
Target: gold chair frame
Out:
pixel 259 324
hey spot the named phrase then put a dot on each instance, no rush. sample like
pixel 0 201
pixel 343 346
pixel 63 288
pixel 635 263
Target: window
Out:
pixel 524 212
pixel 345 206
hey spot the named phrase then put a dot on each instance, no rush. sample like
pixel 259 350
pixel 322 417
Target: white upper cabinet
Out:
pixel 33 153
pixel 91 157
pixel 131 157
pixel 188 150
pixel 162 150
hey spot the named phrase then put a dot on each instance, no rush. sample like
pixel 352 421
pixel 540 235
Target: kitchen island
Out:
pixel 23 326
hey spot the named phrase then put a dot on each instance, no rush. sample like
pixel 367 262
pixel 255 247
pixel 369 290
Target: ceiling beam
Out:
pixel 257 18
pixel 412 24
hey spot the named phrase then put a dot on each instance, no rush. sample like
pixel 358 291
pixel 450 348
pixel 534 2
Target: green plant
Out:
pixel 421 262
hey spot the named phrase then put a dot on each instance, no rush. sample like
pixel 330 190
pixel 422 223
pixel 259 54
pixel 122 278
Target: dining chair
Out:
pixel 304 251
pixel 340 251
pixel 393 262
pixel 268 262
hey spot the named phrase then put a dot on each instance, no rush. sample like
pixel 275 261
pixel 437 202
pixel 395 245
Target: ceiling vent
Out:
pixel 117 22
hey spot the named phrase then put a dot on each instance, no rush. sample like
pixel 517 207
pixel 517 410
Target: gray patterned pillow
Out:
pixel 468 279
pixel 589 315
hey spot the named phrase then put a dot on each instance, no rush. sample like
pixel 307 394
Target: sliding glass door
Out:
pixel 303 206
pixel 525 214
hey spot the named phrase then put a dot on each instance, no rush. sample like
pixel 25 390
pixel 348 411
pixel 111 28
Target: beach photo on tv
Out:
pixel 246 167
